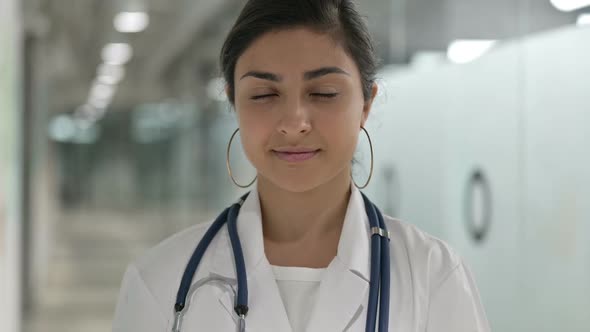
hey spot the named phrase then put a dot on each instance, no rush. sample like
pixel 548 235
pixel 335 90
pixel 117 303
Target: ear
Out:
pixel 368 104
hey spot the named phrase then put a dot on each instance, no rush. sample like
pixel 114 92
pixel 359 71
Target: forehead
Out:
pixel 294 51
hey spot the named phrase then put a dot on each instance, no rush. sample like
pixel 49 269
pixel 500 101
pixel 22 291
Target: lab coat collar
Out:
pixel 342 291
pixel 353 247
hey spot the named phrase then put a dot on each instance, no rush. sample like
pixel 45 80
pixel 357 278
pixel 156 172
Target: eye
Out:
pixel 324 95
pixel 259 97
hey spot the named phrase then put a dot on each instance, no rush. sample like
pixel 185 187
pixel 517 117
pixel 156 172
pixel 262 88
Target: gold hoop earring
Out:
pixel 229 167
pixel 371 171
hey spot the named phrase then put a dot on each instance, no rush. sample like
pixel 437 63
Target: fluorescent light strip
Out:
pixel 569 5
pixel 583 20
pixel 467 50
pixel 116 53
pixel 131 22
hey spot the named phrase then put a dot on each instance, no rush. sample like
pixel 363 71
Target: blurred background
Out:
pixel 113 129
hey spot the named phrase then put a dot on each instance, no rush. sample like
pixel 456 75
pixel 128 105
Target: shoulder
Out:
pixel 442 286
pixel 149 286
pixel 161 267
pixel 429 259
pixel 172 253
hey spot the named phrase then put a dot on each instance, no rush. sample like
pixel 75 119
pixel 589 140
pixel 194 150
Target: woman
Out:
pixel 300 75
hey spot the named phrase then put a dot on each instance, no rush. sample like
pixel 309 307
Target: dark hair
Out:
pixel 339 18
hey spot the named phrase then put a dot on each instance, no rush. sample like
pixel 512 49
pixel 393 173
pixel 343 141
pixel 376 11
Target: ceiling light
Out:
pixel 467 50
pixel 110 74
pixel 116 53
pixel 101 91
pixel 569 5
pixel 99 104
pixel 583 20
pixel 130 22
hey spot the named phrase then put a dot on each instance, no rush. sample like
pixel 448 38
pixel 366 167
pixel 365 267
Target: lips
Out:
pixel 296 154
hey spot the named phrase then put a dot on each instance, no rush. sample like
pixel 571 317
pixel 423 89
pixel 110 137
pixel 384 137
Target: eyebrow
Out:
pixel 308 75
pixel 263 76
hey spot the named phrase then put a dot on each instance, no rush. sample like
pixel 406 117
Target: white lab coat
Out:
pixel 431 287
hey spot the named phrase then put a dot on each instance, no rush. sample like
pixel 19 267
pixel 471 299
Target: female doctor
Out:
pixel 300 75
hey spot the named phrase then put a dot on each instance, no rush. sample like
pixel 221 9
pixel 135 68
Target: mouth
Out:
pixel 295 154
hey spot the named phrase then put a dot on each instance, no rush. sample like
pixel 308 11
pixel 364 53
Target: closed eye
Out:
pixel 319 95
pixel 263 96
pixel 324 95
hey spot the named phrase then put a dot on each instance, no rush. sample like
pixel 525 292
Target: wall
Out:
pixel 502 142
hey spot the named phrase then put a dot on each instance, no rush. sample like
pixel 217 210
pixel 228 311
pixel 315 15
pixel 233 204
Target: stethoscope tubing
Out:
pixel 380 273
pixel 379 284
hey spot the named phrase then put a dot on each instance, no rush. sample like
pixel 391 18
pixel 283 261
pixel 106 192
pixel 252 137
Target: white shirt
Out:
pixel 432 289
pixel 298 287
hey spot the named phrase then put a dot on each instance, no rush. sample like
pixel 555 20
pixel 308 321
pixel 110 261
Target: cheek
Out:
pixel 346 114
pixel 254 131
pixel 341 133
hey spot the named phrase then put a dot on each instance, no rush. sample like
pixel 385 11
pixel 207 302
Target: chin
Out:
pixel 294 183
pixel 296 186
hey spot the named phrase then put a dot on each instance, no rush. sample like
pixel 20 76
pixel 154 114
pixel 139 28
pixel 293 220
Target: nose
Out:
pixel 295 120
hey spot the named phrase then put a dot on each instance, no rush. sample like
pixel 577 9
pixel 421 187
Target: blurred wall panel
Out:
pixel 491 156
pixel 39 202
pixel 405 126
pixel 555 270
pixel 10 235
pixel 451 137
pixel 482 174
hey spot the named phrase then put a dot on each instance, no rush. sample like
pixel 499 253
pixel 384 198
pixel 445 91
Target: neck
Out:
pixel 300 217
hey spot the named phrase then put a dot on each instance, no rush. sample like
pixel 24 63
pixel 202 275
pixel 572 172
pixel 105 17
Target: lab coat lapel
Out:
pixel 344 288
pixel 266 309
pixel 341 297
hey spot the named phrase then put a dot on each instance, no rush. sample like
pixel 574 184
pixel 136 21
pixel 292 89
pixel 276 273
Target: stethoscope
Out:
pixel 379 277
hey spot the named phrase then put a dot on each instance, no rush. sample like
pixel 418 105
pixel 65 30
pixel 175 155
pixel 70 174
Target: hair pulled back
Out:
pixel 338 18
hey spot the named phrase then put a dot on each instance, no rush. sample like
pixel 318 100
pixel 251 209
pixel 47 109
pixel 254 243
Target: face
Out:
pixel 300 107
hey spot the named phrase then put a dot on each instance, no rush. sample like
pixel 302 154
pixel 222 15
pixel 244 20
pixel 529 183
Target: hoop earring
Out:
pixel 371 171
pixel 229 167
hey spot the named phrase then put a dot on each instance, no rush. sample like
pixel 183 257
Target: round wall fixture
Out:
pixel 478 206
